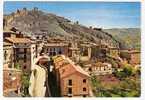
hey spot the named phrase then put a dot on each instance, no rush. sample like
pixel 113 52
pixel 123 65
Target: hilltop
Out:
pixel 35 22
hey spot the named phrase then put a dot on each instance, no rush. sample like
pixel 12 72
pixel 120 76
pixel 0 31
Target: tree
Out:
pixel 25 84
pixel 17 66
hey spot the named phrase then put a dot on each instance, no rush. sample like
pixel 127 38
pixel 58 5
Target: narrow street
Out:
pixel 53 89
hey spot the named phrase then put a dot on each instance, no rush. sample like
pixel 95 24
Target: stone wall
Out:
pixel 11 80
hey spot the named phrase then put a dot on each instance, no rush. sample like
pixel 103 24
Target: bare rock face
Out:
pixel 36 22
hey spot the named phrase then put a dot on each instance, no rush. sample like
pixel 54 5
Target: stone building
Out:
pixel 56 47
pixel 11 81
pixel 100 69
pixel 19 55
pixel 132 56
pixel 114 52
pixel 23 49
pixel 85 51
pixel 73 80
pixel 9 19
pixel 8 55
pixel 11 75
pixel 74 51
pixel 22 52
pixel 9 33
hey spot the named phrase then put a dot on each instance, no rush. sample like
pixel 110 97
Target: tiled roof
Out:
pixel 18 40
pixel 6 43
pixel 70 67
pixel 57 59
pixel 7 30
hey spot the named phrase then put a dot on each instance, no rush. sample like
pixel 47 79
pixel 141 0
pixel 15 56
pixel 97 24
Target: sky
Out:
pixel 96 14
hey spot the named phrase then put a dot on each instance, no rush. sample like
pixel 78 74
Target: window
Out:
pixel 84 51
pixel 69 90
pixel 54 53
pixel 10 74
pixel 90 69
pixel 84 89
pixel 25 58
pixel 84 80
pixel 50 49
pixel 69 82
pixel 59 51
pixel 25 50
pixel 24 67
pixel 54 49
pixel 5 55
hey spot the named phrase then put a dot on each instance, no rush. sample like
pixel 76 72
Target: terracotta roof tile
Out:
pixel 68 67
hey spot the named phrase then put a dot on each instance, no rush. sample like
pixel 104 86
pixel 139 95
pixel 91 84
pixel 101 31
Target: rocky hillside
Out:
pixel 33 22
pixel 130 37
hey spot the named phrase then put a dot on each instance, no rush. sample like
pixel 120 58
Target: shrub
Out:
pixel 25 84
pixel 17 66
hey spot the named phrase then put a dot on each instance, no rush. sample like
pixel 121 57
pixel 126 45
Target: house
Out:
pixel 114 52
pixel 19 56
pixel 8 55
pixel 73 80
pixel 11 75
pixel 85 51
pixel 22 52
pixel 101 68
pixel 9 33
pixel 11 81
pixel 74 51
pixel 132 56
pixel 12 32
pixel 55 47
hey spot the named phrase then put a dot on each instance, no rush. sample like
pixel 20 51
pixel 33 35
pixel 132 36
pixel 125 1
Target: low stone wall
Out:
pixel 11 80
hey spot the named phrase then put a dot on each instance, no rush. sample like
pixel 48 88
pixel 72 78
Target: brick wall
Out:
pixel 77 85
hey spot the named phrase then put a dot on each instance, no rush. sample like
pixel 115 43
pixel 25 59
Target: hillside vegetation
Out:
pixel 130 37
